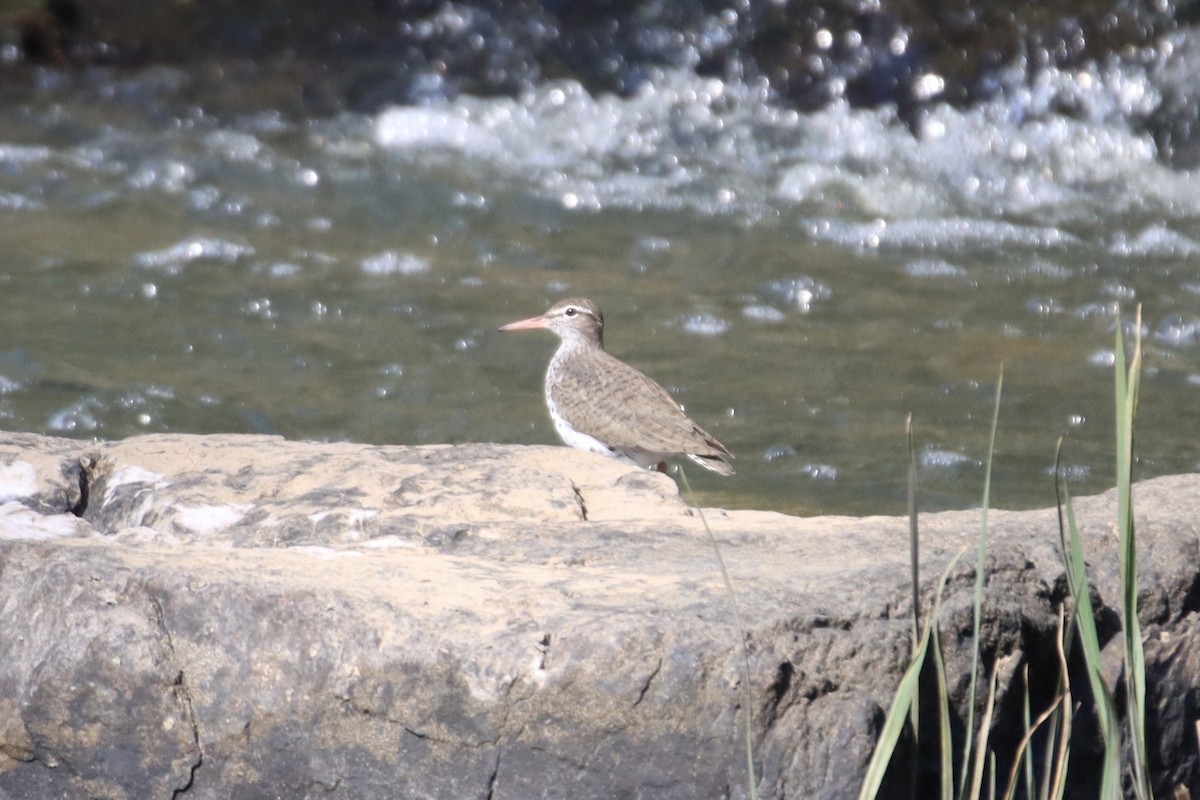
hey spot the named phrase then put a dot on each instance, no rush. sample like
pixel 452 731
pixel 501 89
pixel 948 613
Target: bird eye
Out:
pixel 571 311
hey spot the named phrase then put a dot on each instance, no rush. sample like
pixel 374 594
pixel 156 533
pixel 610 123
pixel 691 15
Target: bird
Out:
pixel 601 404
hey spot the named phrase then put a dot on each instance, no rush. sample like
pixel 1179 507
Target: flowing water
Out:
pixel 801 282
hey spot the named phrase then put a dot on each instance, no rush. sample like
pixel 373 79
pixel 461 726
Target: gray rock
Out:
pixel 239 616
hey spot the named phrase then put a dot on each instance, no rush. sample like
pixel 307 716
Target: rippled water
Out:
pixel 800 282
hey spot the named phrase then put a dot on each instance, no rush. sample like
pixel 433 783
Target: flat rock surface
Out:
pixel 242 616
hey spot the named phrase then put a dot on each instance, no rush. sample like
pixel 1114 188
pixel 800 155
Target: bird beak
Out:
pixel 526 324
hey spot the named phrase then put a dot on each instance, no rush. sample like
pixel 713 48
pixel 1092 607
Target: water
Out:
pixel 800 282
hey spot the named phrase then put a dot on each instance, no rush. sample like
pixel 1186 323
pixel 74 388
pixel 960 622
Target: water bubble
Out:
pixel 283 269
pixel 157 392
pixel 820 472
pixel 234 145
pixel 1071 472
pixel 469 200
pixel 653 244
pixel 78 416
pixel 1178 331
pixel 778 451
pixel 1097 310
pixel 260 307
pixel 1043 306
pixel 705 325
pixel 800 292
pixel 943 459
pixel 932 268
pixel 928 86
pixel 192 249
pixel 392 263
pixel 767 314
pixel 1154 240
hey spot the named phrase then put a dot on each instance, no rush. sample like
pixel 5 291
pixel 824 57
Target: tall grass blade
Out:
pixel 1085 622
pixel 1127 379
pixel 980 565
pixel 945 737
pixel 1023 755
pixel 981 740
pixel 1023 750
pixel 914 710
pixel 906 695
pixel 913 538
pixel 747 692
pixel 1056 788
pixel 1026 757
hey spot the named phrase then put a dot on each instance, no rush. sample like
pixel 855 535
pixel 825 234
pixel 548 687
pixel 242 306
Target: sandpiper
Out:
pixel 601 404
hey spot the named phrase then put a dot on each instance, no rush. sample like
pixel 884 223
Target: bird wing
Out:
pixel 639 414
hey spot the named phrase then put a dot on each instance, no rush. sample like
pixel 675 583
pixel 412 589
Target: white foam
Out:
pixel 705 325
pixel 391 263
pixel 933 268
pixel 1154 240
pixel 683 141
pixel 937 458
pixel 459 127
pixel 761 313
pixel 194 248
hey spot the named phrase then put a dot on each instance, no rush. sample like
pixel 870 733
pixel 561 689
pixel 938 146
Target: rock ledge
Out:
pixel 241 616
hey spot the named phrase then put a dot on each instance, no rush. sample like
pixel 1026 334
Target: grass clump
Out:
pixel 1045 775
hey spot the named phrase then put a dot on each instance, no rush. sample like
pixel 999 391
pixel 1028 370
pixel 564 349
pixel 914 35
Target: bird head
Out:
pixel 573 320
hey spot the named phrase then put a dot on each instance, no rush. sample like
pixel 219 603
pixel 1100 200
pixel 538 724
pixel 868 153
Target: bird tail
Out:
pixel 715 464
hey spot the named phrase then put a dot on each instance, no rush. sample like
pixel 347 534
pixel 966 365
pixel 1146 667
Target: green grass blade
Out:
pixel 913 537
pixel 1057 786
pixel 914 710
pixel 1126 381
pixel 906 695
pixel 748 693
pixel 945 736
pixel 893 725
pixel 982 737
pixel 1060 719
pixel 1085 621
pixel 1023 754
pixel 980 564
pixel 1026 755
